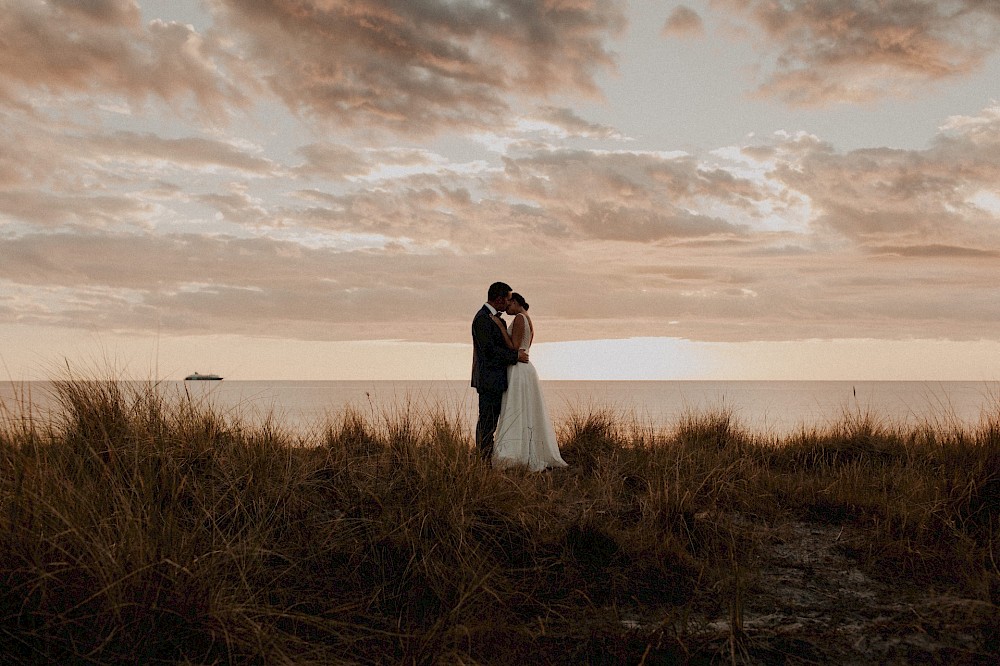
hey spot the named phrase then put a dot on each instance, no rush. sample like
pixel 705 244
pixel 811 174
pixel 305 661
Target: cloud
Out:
pixel 551 195
pixel 934 251
pixel 56 174
pixel 623 222
pixel 341 239
pixel 116 12
pixel 416 66
pixel 80 48
pixel 570 220
pixel 194 282
pixel 571 125
pixel 856 50
pixel 197 283
pixel 335 161
pixel 186 152
pixel 47 209
pixel 625 195
pixel 114 216
pixel 889 196
pixel 683 22
pixel 410 66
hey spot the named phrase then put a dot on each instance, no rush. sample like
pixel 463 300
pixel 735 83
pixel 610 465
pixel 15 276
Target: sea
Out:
pixel 767 407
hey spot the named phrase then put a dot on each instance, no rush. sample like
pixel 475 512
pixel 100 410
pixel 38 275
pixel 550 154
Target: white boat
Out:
pixel 198 376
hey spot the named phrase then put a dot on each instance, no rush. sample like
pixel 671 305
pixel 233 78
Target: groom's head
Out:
pixel 499 295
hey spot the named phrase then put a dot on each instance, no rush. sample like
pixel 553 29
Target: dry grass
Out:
pixel 141 530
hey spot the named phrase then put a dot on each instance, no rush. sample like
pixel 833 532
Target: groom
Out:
pixel 490 358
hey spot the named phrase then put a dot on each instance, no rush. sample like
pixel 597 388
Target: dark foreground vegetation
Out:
pixel 140 529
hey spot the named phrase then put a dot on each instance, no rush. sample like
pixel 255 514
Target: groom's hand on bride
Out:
pixel 522 356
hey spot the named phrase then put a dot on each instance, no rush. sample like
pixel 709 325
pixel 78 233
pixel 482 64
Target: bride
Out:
pixel 524 434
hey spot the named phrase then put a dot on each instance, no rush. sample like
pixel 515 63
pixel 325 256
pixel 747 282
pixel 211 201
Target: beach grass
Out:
pixel 137 528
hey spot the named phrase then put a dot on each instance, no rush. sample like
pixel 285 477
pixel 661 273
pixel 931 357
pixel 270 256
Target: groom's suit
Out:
pixel 490 358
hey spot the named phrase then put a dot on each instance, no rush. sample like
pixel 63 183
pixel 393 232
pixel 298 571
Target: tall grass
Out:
pixel 139 529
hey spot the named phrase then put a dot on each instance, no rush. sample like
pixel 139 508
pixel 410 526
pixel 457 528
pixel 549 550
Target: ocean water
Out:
pixel 769 407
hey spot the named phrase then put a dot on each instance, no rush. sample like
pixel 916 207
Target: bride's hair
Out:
pixel 520 300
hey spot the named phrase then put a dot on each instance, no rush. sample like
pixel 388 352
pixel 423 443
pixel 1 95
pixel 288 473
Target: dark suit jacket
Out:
pixel 490 354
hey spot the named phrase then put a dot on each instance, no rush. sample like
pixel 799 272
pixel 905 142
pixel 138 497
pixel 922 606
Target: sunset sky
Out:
pixel 324 189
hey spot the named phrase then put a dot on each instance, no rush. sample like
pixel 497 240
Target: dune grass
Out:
pixel 137 529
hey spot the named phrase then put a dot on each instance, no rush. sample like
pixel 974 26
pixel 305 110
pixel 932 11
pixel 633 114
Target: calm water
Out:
pixel 765 406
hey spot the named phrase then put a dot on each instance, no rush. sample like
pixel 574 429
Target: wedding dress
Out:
pixel 524 434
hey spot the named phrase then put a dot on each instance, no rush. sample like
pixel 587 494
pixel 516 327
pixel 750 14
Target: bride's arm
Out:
pixel 517 334
pixel 503 329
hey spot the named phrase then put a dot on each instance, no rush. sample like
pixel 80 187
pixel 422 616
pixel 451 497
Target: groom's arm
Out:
pixel 488 338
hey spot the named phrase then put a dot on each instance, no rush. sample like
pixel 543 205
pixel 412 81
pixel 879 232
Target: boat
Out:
pixel 197 376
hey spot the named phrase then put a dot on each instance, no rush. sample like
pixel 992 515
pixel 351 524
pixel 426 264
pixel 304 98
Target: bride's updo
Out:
pixel 520 300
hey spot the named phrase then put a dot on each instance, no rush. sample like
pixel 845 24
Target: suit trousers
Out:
pixel 486 427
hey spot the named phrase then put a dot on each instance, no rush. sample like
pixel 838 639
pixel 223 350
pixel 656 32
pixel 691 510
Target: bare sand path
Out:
pixel 811 602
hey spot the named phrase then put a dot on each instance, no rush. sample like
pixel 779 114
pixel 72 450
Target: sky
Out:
pixel 325 189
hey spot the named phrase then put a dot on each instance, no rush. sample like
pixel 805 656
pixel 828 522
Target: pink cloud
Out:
pixel 574 125
pixel 683 22
pixel 419 65
pixel 625 195
pixel 101 47
pixel 856 50
pixel 901 197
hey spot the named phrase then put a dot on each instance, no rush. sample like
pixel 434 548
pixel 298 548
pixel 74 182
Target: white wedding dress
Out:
pixel 524 435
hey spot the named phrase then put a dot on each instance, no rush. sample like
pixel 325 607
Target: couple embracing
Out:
pixel 513 427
